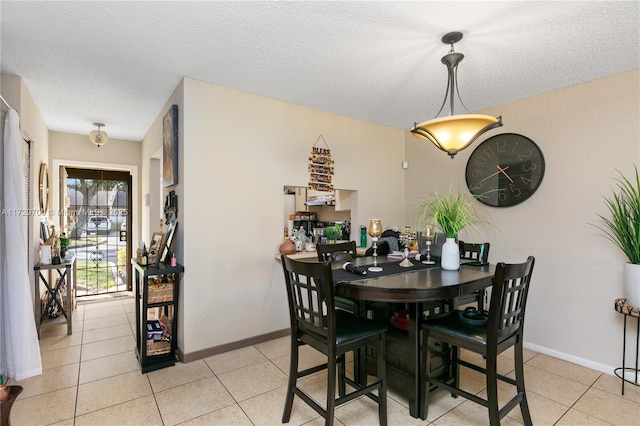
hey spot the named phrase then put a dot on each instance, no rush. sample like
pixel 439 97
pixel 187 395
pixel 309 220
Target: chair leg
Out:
pixel 331 389
pixel 492 389
pixel 519 367
pixel 425 386
pixel 342 389
pixel 382 377
pixel 293 377
pixel 455 367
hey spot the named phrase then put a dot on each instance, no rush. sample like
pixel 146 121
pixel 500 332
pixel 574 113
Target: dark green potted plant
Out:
pixel 622 227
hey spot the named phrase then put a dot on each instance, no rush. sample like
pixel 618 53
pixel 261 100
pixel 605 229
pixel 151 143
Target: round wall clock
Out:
pixel 505 170
pixel 44 188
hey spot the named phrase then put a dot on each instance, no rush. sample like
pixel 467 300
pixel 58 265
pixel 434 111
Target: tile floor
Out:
pixel 92 378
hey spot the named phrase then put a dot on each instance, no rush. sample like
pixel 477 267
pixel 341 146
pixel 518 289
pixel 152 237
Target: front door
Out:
pixel 98 228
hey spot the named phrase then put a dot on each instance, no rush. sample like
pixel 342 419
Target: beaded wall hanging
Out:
pixel 320 167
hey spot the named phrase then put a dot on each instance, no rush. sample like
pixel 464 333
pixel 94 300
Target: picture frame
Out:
pixel 170 147
pixel 157 238
pixel 168 240
pixel 44 231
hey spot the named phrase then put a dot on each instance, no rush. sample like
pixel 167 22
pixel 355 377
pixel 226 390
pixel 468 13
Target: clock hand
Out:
pixel 504 173
pixel 490 176
pixel 500 170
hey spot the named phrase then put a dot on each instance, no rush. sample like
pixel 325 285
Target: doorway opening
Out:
pixel 98 226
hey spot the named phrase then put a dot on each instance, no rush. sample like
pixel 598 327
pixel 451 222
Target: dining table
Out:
pixel 413 287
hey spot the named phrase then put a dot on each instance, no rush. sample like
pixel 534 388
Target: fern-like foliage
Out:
pixel 449 212
pixel 622 227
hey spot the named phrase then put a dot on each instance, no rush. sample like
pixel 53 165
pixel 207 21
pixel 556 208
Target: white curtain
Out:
pixel 20 349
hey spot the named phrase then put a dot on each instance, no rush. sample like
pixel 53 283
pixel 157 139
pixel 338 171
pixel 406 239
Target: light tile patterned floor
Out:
pixel 92 378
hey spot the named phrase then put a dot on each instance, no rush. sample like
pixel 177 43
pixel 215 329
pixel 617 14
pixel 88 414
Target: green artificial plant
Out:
pixel 451 213
pixel 332 233
pixel 622 226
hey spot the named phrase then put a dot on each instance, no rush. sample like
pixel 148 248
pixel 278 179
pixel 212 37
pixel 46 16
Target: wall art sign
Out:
pixel 170 147
pixel 320 167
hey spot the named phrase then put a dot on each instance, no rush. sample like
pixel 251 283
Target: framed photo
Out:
pixel 156 242
pixel 44 231
pixel 166 247
pixel 170 147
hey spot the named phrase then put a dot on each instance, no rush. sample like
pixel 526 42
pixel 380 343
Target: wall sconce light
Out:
pixel 454 133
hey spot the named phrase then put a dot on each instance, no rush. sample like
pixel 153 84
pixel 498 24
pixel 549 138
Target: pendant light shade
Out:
pixel 98 137
pixel 454 133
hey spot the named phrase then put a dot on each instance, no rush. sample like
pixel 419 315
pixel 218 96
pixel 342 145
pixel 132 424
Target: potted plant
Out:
pixel 622 227
pixel 332 233
pixel 451 213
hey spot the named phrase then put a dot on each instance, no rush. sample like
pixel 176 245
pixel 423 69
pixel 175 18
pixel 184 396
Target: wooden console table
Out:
pixel 66 274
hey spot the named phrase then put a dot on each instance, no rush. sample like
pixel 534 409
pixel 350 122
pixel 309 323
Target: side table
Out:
pixel 622 307
pixel 66 273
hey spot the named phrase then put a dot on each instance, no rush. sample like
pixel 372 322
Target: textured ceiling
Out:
pixel 118 62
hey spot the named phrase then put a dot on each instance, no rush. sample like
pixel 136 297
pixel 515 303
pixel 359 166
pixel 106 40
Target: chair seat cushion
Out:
pixel 452 325
pixel 350 328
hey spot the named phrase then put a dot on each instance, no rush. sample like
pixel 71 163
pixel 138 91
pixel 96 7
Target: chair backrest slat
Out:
pixel 508 298
pixel 310 294
pixel 339 251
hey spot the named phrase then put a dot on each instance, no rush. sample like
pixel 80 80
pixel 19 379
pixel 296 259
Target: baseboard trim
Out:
pixel 204 353
pixel 607 369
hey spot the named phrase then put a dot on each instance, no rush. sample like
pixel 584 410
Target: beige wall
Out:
pixel 66 149
pixel 240 150
pixel 151 176
pixel 32 127
pixel 586 132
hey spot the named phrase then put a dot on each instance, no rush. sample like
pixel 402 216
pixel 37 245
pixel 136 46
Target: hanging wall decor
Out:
pixel 320 167
pixel 170 147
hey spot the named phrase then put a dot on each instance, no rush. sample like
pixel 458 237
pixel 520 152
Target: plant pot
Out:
pixel 287 247
pixel 8 395
pixel 450 257
pixel 632 284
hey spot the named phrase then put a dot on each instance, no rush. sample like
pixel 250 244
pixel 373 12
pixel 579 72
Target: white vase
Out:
pixel 632 284
pixel 45 255
pixel 450 257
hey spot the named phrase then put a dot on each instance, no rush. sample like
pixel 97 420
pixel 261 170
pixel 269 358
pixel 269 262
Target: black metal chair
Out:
pixel 475 254
pixel 339 252
pixel 503 329
pixel 316 322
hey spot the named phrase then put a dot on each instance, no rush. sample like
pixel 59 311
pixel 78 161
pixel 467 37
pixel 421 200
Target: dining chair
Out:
pixel 487 335
pixel 316 322
pixel 339 252
pixel 476 254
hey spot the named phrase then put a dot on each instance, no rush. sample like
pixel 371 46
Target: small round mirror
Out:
pixel 44 188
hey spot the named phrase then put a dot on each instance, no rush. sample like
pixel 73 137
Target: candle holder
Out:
pixel 428 235
pixel 406 263
pixel 375 230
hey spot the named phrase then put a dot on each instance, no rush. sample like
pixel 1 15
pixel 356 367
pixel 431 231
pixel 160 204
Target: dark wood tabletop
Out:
pixel 415 285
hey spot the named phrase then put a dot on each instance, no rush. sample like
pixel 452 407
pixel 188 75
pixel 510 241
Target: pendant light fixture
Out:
pixel 98 137
pixel 454 133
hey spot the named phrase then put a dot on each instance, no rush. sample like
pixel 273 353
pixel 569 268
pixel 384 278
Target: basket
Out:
pixel 159 291
pixel 158 347
pixel 152 258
